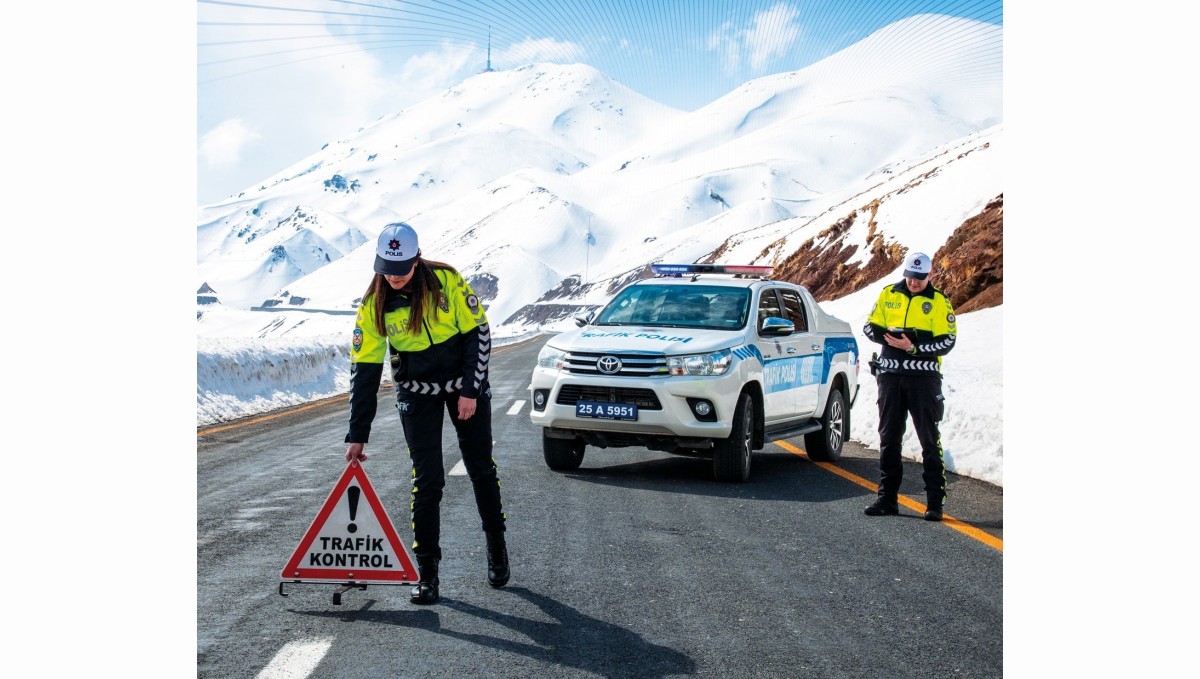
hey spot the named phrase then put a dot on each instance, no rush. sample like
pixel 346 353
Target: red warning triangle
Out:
pixel 352 540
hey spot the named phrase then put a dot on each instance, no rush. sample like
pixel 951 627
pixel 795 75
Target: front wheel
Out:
pixel 562 454
pixel 826 445
pixel 731 456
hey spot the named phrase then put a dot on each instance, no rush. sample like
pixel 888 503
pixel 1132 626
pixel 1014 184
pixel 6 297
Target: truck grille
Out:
pixel 632 365
pixel 645 399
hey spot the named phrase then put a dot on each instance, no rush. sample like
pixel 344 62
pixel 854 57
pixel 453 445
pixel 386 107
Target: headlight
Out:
pixel 551 358
pixel 700 364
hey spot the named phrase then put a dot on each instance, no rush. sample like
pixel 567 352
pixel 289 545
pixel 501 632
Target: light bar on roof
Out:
pixel 681 269
pixel 749 269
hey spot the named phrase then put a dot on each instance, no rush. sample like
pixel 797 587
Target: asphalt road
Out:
pixel 636 565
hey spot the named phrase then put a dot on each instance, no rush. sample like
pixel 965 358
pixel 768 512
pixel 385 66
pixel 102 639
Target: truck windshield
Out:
pixel 679 306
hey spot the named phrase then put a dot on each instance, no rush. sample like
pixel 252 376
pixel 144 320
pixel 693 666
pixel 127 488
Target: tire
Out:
pixel 562 454
pixel 731 456
pixel 826 445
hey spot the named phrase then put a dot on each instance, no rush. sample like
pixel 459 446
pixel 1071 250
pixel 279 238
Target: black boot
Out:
pixel 426 589
pixel 933 509
pixel 884 505
pixel 933 512
pixel 497 555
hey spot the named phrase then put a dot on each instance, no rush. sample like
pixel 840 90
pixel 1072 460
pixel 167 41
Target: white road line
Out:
pixel 516 408
pixel 459 469
pixel 297 659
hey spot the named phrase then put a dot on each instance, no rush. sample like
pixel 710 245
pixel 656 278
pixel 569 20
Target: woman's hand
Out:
pixel 466 407
pixel 354 452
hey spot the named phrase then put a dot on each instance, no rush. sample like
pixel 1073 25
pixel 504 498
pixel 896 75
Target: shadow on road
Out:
pixel 420 618
pixel 773 476
pixel 575 639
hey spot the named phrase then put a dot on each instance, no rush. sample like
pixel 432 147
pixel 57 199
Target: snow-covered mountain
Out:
pixel 550 185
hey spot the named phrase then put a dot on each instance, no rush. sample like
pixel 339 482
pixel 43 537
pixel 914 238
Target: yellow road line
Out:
pixel 964 528
pixel 270 416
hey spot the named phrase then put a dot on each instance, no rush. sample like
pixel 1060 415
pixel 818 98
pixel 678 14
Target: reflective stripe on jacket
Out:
pixel 927 315
pixel 450 353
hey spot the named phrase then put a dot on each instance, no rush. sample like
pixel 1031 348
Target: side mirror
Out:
pixel 775 326
pixel 584 317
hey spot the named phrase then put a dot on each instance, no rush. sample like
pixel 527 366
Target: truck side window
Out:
pixel 768 306
pixel 795 309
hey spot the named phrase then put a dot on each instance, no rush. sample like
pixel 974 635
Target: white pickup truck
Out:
pixel 702 360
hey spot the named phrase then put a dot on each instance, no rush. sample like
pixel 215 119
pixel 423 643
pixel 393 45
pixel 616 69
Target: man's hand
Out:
pixel 354 452
pixel 902 343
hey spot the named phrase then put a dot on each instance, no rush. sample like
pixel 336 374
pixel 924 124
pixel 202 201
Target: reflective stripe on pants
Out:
pixel 921 397
pixel 423 432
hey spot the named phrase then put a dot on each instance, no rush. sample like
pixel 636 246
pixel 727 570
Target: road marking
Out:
pixel 270 416
pixel 459 469
pixel 516 408
pixel 964 528
pixel 297 659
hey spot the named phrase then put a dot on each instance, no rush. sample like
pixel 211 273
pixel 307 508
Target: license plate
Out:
pixel 606 411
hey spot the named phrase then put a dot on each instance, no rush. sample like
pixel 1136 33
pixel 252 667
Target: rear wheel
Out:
pixel 826 445
pixel 731 456
pixel 562 454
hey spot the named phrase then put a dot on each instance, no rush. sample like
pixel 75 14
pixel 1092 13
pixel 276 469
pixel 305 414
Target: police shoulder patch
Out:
pixel 473 303
pixel 357 340
pixel 949 318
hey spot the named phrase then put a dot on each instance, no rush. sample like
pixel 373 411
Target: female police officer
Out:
pixel 427 317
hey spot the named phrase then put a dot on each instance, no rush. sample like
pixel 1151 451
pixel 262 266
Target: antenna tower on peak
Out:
pixel 489 68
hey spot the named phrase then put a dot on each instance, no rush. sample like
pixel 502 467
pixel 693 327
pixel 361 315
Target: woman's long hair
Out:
pixel 422 290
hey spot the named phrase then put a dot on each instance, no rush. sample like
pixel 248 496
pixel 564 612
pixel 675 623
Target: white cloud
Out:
pixel 426 74
pixel 722 40
pixel 542 49
pixel 222 145
pixel 769 35
pixel 773 33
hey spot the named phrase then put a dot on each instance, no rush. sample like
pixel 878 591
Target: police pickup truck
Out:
pixel 704 360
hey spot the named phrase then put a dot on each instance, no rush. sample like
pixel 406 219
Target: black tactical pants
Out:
pixel 921 397
pixel 423 430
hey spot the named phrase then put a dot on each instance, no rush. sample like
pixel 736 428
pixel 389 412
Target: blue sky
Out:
pixel 276 80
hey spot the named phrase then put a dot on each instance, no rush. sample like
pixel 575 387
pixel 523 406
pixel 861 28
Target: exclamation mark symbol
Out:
pixel 352 497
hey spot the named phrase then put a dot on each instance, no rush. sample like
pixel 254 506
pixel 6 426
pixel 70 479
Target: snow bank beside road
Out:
pixel 239 377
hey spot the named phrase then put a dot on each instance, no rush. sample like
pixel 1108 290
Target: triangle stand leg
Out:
pixel 337 596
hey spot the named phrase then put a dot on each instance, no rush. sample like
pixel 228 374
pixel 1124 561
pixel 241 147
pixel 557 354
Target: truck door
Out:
pixel 806 350
pixel 779 399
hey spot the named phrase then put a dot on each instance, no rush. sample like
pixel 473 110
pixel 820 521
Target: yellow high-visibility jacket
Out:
pixel 449 355
pixel 927 319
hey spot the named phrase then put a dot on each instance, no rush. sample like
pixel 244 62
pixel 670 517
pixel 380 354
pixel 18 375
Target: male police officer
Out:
pixel 915 324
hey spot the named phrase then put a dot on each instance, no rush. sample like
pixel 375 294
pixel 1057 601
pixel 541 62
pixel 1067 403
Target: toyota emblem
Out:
pixel 609 365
